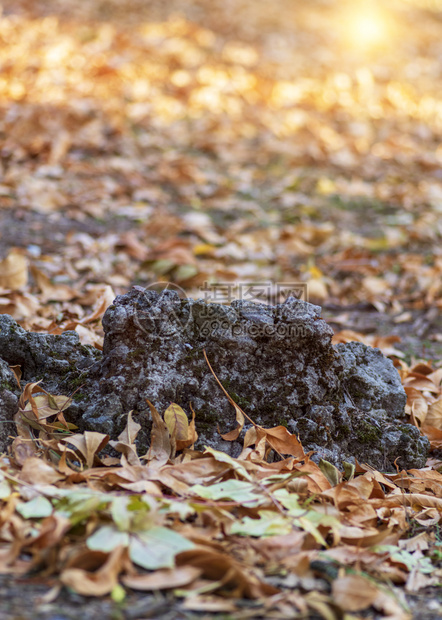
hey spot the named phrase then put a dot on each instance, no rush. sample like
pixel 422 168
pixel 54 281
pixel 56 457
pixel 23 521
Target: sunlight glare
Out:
pixel 367 29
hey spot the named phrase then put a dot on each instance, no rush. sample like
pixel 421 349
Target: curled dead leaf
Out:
pixel 166 579
pixel 161 448
pixel 90 581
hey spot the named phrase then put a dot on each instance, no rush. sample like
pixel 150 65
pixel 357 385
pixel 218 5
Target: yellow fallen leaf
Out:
pixel 14 271
pixel 317 289
pixel 204 249
pixel 176 421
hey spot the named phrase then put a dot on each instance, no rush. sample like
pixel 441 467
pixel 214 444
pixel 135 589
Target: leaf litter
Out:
pixel 194 145
pixel 288 534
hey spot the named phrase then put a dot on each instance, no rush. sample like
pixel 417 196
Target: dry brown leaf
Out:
pixel 37 471
pixel 417 580
pixel 177 422
pixel 421 368
pixel 125 443
pixel 365 536
pixel 192 435
pixel 88 444
pixel 420 382
pixel 354 593
pixel 416 404
pixel 414 499
pixel 20 305
pixel 131 430
pixel 17 370
pixel 221 567
pixel 421 542
pixel 45 405
pixel 434 435
pixel 317 290
pixel 275 548
pixel 384 343
pixel 133 246
pixel 350 555
pixel 105 297
pixel 161 448
pixel 14 271
pixel 22 448
pixel 281 440
pixel 99 575
pixel 348 335
pixel 9 562
pixel 434 415
pixel 87 336
pixel 29 390
pixel 166 579
pixel 234 434
pixel 50 534
pixel 198 471
pixel 50 291
pixel 436 377
pixel 316 480
pixel 390 607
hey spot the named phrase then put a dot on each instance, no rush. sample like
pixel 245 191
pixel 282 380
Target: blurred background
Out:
pixel 227 141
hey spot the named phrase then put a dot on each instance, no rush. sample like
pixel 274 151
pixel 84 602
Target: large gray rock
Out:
pixel 276 362
pixel 56 360
pixel 43 356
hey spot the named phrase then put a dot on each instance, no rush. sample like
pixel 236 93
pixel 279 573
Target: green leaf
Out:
pixel 36 508
pixel 269 524
pixel 307 520
pixel 422 564
pixel 183 272
pixel 236 490
pixel 118 593
pixel 133 513
pixel 120 513
pixel 106 539
pixel 331 472
pixel 349 470
pixel 162 266
pixel 289 501
pixel 80 505
pixel 157 548
pixel 174 507
pixel 232 463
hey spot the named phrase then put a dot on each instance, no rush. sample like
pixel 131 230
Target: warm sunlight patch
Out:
pixel 367 27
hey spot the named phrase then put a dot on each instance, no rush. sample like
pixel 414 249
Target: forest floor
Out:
pixel 215 145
